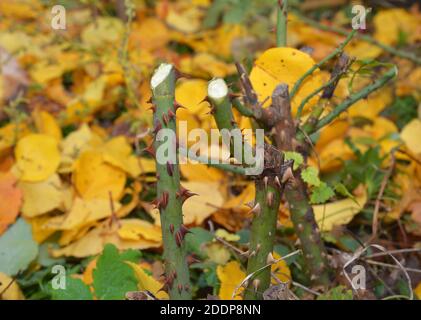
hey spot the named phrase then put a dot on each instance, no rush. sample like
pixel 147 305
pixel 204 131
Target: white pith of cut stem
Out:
pixel 160 74
pixel 217 89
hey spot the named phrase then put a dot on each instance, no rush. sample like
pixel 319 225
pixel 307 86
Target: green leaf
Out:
pixel 337 293
pixel 195 242
pixel 296 157
pixel 17 248
pixel 343 191
pixel 131 255
pixel 321 194
pixel 311 176
pixel 75 289
pixel 112 276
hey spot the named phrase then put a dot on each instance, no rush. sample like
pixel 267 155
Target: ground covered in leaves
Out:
pixel 76 187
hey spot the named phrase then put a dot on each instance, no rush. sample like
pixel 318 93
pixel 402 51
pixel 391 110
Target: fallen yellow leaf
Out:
pixel 41 197
pixel 411 134
pixel 284 65
pixel 9 288
pixel 147 282
pixel 339 212
pixel 37 157
pixel 93 178
pixel 230 277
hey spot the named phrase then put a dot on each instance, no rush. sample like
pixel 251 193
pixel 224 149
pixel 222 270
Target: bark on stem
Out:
pixel 302 214
pixel 170 195
pixel 267 198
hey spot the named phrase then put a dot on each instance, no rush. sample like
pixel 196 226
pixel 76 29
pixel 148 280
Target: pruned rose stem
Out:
pixel 170 194
pixel 295 190
pixel 302 214
pixel 221 104
pixel 266 204
pixel 262 237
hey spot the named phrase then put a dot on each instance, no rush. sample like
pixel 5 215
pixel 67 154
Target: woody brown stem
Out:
pixel 302 214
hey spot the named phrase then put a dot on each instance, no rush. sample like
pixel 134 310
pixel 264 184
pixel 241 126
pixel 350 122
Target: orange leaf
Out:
pixel 10 200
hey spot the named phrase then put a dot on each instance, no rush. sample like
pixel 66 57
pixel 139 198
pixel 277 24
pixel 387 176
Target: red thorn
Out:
pixel 178 238
pixel 278 182
pixel 165 118
pixel 171 114
pixel 232 95
pixel 150 150
pixel 171 228
pixel 158 126
pixel 184 194
pixel 184 230
pixel 191 258
pixel 170 169
pixel 180 287
pixel 165 199
pixel 177 106
pixel 162 202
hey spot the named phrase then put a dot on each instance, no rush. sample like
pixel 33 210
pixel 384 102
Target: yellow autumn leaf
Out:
pixel 119 153
pixel 390 23
pixel 363 50
pixel 411 134
pixel 372 105
pixel 284 65
pixel 339 212
pixel 417 291
pixel 147 282
pixel 333 154
pixel 200 172
pixel 184 17
pixel 93 242
pixel 104 31
pixel 230 277
pixel 69 236
pixel 76 143
pixel 93 178
pixel 239 202
pixel 84 212
pixel 136 229
pixel 206 65
pixel 37 157
pixel 9 288
pixel 9 134
pixel 280 269
pixel 191 94
pixel 82 108
pixel 197 208
pixel 217 253
pixel 47 124
pixel 23 9
pixel 224 234
pixel 41 197
pixel 146 40
pixel 40 229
